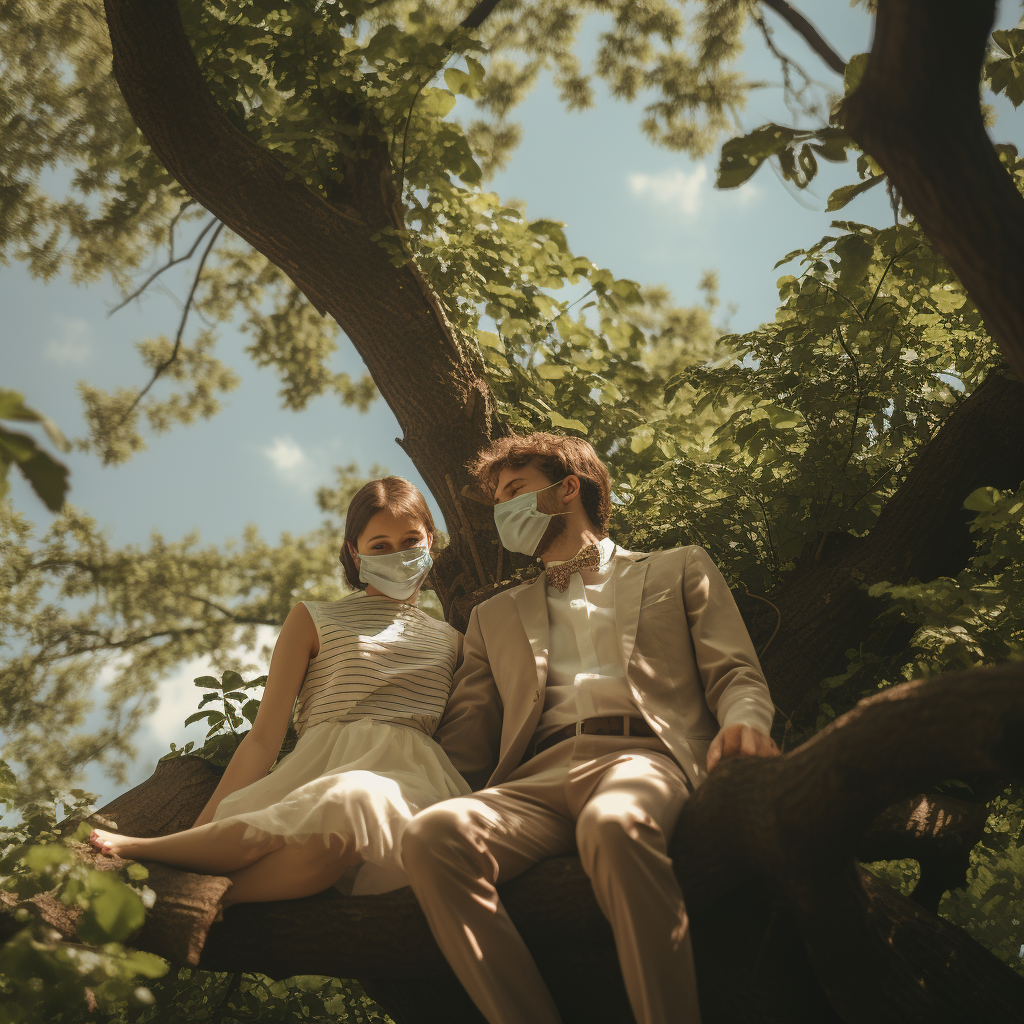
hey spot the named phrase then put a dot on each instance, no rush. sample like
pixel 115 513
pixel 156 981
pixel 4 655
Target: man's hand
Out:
pixel 740 741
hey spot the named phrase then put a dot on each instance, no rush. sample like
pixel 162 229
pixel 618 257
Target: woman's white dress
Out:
pixel 364 762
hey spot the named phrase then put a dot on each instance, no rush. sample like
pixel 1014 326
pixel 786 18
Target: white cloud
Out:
pixel 288 458
pixel 685 192
pixel 71 342
pixel 674 188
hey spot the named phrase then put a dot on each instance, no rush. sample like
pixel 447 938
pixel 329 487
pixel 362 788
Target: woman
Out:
pixel 371 674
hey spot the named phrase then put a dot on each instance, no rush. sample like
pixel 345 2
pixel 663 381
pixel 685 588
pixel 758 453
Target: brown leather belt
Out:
pixel 619 725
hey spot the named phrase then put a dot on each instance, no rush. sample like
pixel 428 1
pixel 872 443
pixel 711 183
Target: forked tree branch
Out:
pixel 167 363
pixel 172 262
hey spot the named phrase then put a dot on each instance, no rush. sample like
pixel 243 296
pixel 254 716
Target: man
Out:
pixel 591 700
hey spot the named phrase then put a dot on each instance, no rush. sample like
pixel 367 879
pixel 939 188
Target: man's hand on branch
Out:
pixel 740 741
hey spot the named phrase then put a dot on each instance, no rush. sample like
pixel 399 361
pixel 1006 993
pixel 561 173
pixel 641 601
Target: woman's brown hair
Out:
pixel 392 494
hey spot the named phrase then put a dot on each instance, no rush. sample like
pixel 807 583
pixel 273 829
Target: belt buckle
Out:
pixel 579 727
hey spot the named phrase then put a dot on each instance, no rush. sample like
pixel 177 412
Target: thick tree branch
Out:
pixel 397 325
pixel 917 111
pixel 479 14
pixel 765 846
pixel 810 34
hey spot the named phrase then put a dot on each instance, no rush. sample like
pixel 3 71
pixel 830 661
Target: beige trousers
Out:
pixel 615 799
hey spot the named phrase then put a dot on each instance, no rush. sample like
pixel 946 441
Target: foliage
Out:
pixel 976 618
pixel 1004 71
pixel 229 998
pixel 46 476
pixel 326 86
pixel 991 905
pixel 43 977
pixel 227 724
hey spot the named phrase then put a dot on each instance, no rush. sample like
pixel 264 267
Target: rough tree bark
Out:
pixel 775 913
pixel 786 926
pixel 429 377
pixel 917 111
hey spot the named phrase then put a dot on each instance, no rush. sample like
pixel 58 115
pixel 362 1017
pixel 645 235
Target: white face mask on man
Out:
pixel 398 574
pixel 521 524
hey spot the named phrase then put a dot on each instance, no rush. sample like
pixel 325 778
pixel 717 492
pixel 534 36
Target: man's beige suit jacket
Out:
pixel 691 666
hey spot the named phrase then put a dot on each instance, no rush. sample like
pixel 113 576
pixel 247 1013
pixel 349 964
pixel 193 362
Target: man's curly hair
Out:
pixel 556 457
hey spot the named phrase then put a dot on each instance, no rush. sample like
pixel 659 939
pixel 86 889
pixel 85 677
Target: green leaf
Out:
pixel 555 230
pixel 1006 75
pixel 13 407
pixel 114 910
pixel 558 420
pixel 231 681
pixel 841 196
pixel 742 156
pixel 47 477
pixel 551 371
pixel 642 439
pixel 855 68
pixel 984 499
pixel 855 253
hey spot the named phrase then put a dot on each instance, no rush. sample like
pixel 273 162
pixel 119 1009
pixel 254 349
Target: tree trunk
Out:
pixel 917 111
pixel 430 378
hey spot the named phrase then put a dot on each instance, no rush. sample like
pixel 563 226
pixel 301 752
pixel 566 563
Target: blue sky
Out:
pixel 643 212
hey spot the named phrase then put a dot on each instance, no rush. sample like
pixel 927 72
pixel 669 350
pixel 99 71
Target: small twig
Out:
pixel 547 323
pixel 185 205
pixel 167 266
pixel 778 621
pixel 784 61
pixel 856 408
pixel 890 468
pixel 474 19
pixel 172 358
pixel 888 267
pixel 810 34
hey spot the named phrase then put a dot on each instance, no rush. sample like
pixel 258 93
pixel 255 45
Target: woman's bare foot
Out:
pixel 112 844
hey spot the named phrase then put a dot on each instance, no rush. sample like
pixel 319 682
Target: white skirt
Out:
pixel 361 781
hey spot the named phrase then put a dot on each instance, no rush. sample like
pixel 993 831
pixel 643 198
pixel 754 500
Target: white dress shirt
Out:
pixel 586 677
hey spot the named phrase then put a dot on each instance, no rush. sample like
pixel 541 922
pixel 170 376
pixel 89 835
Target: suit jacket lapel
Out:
pixel 532 603
pixel 628 574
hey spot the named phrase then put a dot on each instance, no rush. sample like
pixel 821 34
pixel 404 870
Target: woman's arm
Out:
pixel 296 645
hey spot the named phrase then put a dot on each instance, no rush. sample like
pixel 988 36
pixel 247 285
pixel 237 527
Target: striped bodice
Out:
pixel 378 659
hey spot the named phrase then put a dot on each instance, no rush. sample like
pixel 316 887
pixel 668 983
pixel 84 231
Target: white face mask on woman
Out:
pixel 398 574
pixel 521 525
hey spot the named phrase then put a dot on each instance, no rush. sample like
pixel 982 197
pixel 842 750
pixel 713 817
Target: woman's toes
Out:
pixel 101 841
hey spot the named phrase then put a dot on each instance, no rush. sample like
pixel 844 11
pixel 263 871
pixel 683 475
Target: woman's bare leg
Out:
pixel 212 849
pixel 290 873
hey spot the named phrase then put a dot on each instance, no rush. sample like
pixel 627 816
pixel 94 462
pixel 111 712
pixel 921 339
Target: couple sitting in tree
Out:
pixel 587 703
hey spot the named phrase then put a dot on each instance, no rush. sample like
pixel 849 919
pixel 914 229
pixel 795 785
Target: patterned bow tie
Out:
pixel 588 558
